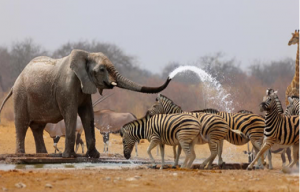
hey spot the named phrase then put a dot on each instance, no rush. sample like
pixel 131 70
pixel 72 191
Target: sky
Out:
pixel 158 32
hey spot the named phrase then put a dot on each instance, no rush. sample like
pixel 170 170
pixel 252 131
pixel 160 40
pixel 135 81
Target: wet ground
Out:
pixel 116 177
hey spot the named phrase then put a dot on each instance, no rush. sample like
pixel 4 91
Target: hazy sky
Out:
pixel 159 31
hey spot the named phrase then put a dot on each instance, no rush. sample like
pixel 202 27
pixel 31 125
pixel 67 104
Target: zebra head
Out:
pixel 269 101
pixel 163 105
pixel 293 107
pixel 127 140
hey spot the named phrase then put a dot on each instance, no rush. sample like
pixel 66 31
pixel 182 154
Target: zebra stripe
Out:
pixel 280 129
pixel 163 129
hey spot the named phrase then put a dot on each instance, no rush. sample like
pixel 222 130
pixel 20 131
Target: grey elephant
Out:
pixel 108 121
pixel 49 90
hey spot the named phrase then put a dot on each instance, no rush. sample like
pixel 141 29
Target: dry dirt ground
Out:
pixel 140 179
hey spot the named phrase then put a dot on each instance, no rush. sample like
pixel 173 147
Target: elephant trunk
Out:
pixel 125 83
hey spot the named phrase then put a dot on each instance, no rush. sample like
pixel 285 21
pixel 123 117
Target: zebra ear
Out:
pixel 276 92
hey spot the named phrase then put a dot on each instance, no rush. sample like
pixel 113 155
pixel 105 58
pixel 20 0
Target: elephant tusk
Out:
pixel 114 83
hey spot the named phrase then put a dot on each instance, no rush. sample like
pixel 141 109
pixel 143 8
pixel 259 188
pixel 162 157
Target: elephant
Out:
pixel 49 90
pixel 59 130
pixel 107 121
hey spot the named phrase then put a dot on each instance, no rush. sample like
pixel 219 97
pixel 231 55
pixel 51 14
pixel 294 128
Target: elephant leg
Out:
pixel 21 129
pixel 70 124
pixel 86 114
pixel 38 130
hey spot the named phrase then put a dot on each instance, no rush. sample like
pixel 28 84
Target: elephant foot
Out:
pixel 67 154
pixel 43 150
pixel 93 153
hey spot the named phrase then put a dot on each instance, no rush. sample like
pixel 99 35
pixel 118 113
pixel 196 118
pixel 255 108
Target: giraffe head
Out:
pixel 295 38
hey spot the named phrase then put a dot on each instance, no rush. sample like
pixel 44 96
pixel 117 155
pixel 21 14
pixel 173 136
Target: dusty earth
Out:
pixel 141 178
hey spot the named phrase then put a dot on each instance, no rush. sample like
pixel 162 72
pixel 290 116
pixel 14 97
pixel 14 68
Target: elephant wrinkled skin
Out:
pixel 49 90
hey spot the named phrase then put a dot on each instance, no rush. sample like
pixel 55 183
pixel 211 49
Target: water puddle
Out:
pixel 7 167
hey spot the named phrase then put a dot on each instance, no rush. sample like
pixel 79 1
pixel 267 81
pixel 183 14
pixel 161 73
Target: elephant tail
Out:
pixel 6 98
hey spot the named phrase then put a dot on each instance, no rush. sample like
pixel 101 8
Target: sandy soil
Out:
pixel 126 179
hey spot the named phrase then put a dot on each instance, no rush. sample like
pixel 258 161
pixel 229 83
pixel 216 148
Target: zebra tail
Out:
pixel 239 133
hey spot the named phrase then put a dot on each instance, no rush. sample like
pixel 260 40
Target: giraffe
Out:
pixel 293 88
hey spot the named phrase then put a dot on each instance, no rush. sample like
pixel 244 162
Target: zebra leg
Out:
pixel 257 146
pixel 269 154
pixel 295 155
pixel 193 155
pixel 153 144
pixel 282 155
pixel 177 156
pixel 162 153
pixel 136 149
pixel 213 146
pixel 266 145
pixel 186 148
pixel 220 150
pixel 174 152
pixel 288 153
pixel 157 152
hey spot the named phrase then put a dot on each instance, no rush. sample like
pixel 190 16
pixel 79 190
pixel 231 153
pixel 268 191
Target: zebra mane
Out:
pixel 167 100
pixel 209 110
pixel 245 111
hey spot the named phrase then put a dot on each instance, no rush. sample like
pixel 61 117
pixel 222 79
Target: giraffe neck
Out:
pixel 296 76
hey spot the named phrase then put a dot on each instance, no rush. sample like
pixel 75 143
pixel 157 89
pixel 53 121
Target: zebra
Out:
pixel 163 129
pixel 243 127
pixel 214 128
pixel 293 107
pixel 280 129
pixel 277 149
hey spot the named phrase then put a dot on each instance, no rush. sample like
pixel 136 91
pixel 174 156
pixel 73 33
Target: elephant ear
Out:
pixel 78 62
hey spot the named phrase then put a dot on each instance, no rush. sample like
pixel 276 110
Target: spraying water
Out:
pixel 214 90
pixel 215 94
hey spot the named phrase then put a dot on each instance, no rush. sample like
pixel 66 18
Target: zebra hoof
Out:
pixel 249 168
pixel 174 167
